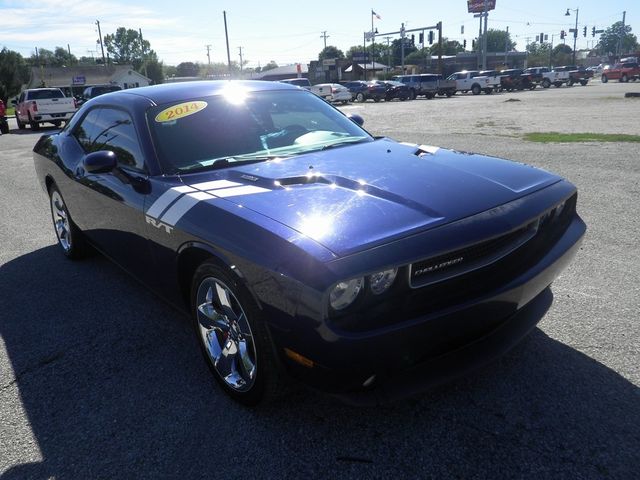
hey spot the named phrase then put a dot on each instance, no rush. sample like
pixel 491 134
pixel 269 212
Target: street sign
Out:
pixel 360 57
pixel 327 62
pixel 477 6
pixel 79 80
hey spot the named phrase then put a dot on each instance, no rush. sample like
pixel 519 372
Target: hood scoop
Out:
pixel 360 187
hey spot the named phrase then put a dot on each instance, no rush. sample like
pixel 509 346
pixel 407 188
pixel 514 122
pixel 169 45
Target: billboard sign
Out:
pixel 477 6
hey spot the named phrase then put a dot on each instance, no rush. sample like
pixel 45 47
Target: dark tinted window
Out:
pixel 111 129
pixel 44 94
pixel 237 127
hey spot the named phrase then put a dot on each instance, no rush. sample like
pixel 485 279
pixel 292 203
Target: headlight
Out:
pixel 344 293
pixel 381 281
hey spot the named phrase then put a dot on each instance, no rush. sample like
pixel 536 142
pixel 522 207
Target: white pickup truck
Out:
pixel 40 105
pixel 474 81
pixel 323 90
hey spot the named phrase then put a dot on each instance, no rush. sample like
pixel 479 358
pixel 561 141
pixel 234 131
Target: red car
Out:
pixel 623 72
pixel 4 126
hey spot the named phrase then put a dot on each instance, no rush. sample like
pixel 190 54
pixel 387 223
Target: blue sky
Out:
pixel 281 30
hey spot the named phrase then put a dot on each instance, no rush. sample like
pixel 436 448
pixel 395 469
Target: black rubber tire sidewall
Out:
pixel 79 247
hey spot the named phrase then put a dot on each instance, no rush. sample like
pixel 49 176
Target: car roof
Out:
pixel 175 92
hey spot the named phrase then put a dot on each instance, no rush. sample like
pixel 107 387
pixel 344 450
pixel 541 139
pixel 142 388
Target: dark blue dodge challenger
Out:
pixel 301 245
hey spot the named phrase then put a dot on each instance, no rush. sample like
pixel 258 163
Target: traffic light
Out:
pixel 584 31
pixel 473 44
pixel 464 44
pixel 541 37
pixel 593 32
pixel 562 34
pixel 430 37
pixel 421 37
pixel 413 39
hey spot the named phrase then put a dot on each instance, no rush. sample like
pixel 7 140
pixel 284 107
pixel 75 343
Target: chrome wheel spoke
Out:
pixel 210 319
pixel 226 334
pixel 247 362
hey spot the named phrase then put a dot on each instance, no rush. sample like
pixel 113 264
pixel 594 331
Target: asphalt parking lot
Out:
pixel 100 379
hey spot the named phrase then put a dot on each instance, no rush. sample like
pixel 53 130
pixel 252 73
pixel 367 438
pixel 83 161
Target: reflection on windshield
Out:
pixel 216 132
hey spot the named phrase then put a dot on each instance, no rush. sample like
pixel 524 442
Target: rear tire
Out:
pixel 233 338
pixel 70 237
pixel 4 126
pixel 35 126
pixel 624 78
pixel 360 97
pixel 546 83
pixel 604 79
pixel 475 89
pixel 584 82
pixel 412 94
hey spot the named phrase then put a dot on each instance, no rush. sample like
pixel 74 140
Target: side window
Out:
pixel 119 135
pixel 88 130
pixel 110 129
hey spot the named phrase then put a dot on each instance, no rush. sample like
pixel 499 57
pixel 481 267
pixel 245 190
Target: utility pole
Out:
pixel 144 61
pixel 622 33
pixel 100 38
pixel 388 52
pixel 325 36
pixel 208 47
pixel 240 50
pixel 440 47
pixel 402 31
pixel 226 36
pixel 506 46
pixel 484 37
pixel 551 51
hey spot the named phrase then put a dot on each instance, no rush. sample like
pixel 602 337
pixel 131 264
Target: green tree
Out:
pixel 419 57
pixel 562 55
pixel 330 52
pixel 609 39
pixel 538 54
pixel 449 47
pixel 14 72
pixel 187 69
pixel 497 40
pixel 155 71
pixel 270 66
pixel 62 58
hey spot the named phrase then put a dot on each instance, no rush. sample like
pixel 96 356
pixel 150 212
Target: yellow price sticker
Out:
pixel 180 111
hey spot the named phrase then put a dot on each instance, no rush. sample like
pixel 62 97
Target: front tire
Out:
pixel 70 237
pixel 232 336
pixel 624 78
pixel 360 97
pixel 604 79
pixel 20 124
pixel 546 83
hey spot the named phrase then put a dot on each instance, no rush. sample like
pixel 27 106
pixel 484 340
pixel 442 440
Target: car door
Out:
pixel 112 213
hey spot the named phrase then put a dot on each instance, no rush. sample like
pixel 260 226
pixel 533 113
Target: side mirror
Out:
pixel 102 161
pixel 355 118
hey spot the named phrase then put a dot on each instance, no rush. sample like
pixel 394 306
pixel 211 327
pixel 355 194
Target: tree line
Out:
pixel 540 52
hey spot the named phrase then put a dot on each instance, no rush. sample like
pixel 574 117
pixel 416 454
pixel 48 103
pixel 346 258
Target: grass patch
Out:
pixel 10 111
pixel 555 137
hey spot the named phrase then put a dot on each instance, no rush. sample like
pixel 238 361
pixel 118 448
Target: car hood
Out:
pixel 356 197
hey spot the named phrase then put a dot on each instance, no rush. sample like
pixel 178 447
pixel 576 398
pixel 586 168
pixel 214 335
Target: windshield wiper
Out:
pixel 342 143
pixel 226 162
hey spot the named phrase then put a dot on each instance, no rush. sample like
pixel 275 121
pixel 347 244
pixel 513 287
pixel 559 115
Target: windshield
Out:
pixel 226 129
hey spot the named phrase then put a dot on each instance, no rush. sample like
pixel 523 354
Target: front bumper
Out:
pixel 436 347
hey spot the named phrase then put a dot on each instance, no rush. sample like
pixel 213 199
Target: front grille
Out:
pixel 405 302
pixel 454 263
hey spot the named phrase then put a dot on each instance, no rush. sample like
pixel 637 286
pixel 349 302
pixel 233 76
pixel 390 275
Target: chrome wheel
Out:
pixel 61 221
pixel 226 335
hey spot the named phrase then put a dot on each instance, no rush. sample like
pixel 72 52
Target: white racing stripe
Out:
pixel 183 205
pixel 215 184
pixel 164 200
pixel 177 201
pixel 237 191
